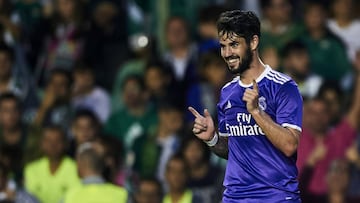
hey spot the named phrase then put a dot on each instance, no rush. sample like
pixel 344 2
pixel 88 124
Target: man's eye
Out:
pixel 234 44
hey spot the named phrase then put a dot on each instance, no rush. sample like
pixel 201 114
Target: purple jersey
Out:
pixel 256 170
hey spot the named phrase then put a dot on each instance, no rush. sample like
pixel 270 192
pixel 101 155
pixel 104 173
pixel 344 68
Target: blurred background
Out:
pixel 95 92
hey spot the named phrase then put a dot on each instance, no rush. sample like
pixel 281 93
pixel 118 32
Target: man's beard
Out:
pixel 244 63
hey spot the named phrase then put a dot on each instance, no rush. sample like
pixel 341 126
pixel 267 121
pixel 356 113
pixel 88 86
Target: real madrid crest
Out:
pixel 262 103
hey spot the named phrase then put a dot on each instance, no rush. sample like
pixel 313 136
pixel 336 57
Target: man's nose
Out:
pixel 227 52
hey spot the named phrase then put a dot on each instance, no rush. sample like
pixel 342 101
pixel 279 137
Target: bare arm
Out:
pixel 284 139
pixel 204 129
pixel 221 147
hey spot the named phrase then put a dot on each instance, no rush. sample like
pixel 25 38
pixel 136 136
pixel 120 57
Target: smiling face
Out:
pixel 235 51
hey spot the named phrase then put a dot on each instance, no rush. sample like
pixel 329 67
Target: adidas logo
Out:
pixel 228 105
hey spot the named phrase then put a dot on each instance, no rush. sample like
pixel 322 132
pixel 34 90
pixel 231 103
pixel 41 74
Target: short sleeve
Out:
pixel 221 121
pixel 289 106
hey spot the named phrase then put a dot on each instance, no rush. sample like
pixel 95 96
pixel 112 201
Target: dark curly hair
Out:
pixel 241 23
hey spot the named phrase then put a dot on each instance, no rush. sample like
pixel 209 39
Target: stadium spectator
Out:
pixel 207 28
pixel 318 131
pixel 158 83
pixel 111 149
pixel 327 53
pixel 85 127
pixel 11 157
pixel 31 18
pixel 12 79
pixel 180 56
pixel 9 23
pixel 337 179
pixel 87 95
pixel 296 64
pixel 168 135
pixel 55 107
pixel 10 192
pixel 345 25
pixel 177 177
pixel 51 176
pixel 149 190
pixel 277 29
pixel 205 179
pixel 94 188
pixel 143 50
pixel 353 157
pixel 205 93
pixel 135 121
pixel 12 132
pixel 106 40
pixel 63 39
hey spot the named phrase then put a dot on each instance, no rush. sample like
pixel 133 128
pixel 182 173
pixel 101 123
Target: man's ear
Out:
pixel 254 43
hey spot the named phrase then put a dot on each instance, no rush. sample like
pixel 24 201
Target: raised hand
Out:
pixel 251 97
pixel 203 125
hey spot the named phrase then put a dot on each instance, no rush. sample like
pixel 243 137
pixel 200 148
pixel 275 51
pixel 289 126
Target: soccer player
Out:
pixel 259 114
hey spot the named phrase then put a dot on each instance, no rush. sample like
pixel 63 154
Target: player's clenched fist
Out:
pixel 203 125
pixel 251 97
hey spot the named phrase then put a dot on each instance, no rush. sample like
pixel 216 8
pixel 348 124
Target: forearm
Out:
pixel 40 115
pixel 282 138
pixel 221 148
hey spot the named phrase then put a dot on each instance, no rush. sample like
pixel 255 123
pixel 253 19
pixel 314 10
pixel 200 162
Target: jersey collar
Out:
pixel 262 75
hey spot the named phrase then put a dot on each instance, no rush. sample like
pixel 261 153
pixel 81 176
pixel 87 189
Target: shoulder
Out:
pixel 120 191
pixel 278 78
pixel 100 92
pixel 69 163
pixel 356 24
pixel 34 165
pixel 279 83
pixel 228 85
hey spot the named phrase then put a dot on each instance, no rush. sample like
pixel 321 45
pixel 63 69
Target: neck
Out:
pixel 319 133
pixel 137 110
pixel 54 164
pixel 317 33
pixel 180 51
pixel 163 132
pixel 343 21
pixel 176 195
pixel 84 91
pixel 199 170
pixel 337 197
pixel 255 70
pixel 88 173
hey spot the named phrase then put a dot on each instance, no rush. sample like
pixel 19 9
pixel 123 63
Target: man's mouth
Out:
pixel 233 61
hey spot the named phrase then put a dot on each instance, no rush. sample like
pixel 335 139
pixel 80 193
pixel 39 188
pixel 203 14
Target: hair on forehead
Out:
pixel 237 23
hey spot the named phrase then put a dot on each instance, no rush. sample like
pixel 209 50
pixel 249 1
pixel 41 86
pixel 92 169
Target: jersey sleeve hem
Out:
pixel 292 126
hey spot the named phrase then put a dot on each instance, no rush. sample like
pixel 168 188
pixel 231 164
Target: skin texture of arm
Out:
pixel 284 139
pixel 221 148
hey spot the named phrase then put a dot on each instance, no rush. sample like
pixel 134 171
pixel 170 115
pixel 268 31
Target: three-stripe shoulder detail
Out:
pixel 236 79
pixel 277 77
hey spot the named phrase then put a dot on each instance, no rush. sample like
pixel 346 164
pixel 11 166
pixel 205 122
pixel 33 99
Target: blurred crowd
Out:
pixel 93 97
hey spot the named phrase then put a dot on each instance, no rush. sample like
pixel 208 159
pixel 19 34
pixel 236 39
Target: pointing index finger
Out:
pixel 255 86
pixel 194 112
